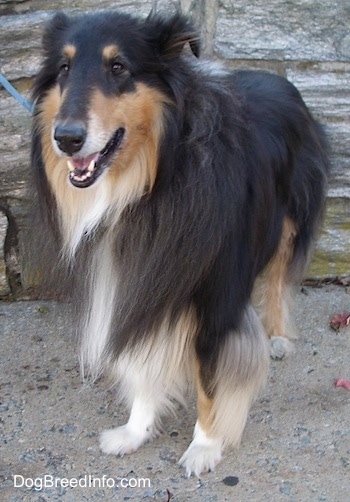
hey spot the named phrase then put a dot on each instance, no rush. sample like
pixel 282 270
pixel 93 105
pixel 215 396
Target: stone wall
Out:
pixel 307 41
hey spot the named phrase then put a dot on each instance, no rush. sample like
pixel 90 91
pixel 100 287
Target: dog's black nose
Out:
pixel 70 137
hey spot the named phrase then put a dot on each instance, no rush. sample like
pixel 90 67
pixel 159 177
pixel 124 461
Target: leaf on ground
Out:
pixel 341 382
pixel 340 320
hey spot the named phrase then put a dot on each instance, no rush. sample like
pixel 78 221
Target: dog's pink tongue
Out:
pixel 84 163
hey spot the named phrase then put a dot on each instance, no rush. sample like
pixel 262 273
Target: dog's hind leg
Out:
pixel 273 294
pixel 225 398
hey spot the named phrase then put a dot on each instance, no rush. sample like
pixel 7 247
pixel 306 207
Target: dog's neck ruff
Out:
pixel 83 211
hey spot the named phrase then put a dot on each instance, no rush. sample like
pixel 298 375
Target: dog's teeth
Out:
pixel 70 165
pixel 91 166
pixel 82 177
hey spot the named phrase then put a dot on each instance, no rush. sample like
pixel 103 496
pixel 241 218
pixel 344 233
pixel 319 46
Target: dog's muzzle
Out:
pixel 85 170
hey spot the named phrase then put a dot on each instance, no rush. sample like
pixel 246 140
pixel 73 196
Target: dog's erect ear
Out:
pixel 172 34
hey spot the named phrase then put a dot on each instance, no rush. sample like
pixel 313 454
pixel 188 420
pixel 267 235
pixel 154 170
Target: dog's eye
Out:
pixel 117 68
pixel 64 68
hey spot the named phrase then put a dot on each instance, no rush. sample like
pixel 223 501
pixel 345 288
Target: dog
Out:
pixel 181 200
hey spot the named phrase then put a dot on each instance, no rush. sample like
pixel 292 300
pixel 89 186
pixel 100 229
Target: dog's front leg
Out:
pixel 129 437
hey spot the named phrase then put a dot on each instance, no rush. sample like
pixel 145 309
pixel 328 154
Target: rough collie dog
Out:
pixel 183 199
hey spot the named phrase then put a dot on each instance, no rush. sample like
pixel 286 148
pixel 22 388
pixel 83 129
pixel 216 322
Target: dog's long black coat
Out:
pixel 240 153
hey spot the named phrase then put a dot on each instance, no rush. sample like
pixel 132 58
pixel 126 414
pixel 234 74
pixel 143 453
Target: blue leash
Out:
pixel 27 104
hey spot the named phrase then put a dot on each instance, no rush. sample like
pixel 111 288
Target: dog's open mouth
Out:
pixel 84 171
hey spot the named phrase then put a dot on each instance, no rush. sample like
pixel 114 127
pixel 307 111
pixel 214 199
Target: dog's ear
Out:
pixel 172 34
pixel 55 29
pixel 52 40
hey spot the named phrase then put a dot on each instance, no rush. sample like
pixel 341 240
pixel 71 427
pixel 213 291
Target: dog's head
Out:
pixel 103 90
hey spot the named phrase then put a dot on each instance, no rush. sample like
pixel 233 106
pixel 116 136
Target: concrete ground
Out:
pixel 296 445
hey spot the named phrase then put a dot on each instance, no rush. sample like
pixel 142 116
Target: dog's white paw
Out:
pixel 203 454
pixel 199 459
pixel 122 440
pixel 280 347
